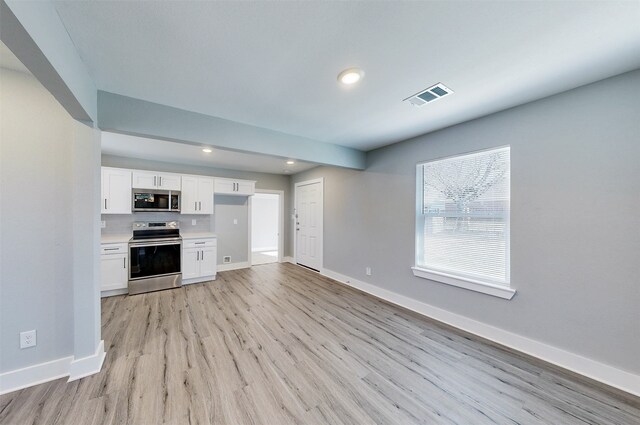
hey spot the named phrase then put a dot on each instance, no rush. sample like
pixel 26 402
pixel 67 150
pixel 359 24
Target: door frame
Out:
pixel 321 220
pixel 280 223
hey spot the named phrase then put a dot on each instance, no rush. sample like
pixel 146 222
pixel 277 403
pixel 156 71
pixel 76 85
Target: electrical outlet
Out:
pixel 193 222
pixel 103 224
pixel 368 271
pixel 226 259
pixel 235 221
pixel 28 339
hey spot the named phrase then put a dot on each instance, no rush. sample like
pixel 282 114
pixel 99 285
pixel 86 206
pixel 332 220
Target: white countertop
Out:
pixel 118 238
pixel 197 235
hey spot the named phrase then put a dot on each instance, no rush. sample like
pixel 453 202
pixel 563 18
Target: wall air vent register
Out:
pixel 429 95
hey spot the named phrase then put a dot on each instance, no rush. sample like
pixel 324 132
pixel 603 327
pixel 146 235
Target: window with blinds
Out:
pixel 463 216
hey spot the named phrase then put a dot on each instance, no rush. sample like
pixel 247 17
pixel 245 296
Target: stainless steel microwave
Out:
pixel 156 200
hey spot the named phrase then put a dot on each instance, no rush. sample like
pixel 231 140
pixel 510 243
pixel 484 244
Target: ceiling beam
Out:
pixel 137 117
pixel 34 33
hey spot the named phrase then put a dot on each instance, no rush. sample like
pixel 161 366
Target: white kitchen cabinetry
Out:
pixel 155 180
pixel 199 259
pixel 114 266
pixel 197 195
pixel 116 191
pixel 235 187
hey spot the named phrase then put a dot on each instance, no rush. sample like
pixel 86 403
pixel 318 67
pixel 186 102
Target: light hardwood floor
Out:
pixel 278 344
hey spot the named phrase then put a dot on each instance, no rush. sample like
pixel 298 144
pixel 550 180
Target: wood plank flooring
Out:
pixel 278 344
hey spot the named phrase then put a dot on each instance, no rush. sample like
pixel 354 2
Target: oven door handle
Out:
pixel 147 244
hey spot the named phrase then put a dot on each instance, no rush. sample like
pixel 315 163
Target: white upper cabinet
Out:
pixel 155 180
pixel 235 187
pixel 197 195
pixel 116 191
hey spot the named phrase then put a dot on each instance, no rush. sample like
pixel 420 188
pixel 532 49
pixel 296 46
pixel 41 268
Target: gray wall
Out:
pixel 575 220
pixel 48 255
pixel 232 239
pixel 85 163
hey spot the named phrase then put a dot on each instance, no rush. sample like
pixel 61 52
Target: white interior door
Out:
pixel 309 204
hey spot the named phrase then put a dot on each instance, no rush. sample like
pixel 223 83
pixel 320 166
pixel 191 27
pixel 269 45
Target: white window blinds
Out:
pixel 463 216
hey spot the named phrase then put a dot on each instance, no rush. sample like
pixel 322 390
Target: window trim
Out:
pixel 500 291
pixel 504 291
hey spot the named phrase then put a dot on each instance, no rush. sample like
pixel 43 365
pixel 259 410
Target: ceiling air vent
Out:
pixel 429 95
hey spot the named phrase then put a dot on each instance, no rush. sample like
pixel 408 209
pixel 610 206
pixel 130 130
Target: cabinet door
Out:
pixel 116 191
pixel 224 186
pixel 205 195
pixel 190 263
pixel 244 187
pixel 144 180
pixel 167 181
pixel 189 201
pixel 114 269
pixel 208 261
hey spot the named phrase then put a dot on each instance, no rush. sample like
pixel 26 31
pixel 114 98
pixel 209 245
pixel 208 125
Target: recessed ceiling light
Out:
pixel 207 150
pixel 286 171
pixel 350 76
pixel 290 162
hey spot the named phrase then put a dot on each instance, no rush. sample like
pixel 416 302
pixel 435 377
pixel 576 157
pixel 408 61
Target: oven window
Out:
pixel 147 261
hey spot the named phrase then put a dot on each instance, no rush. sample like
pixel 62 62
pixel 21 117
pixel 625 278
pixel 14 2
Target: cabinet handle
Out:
pixel 202 255
pixel 197 255
pixel 111 249
pixel 195 206
pixel 124 263
pixel 199 243
pixel 160 179
pixel 105 203
pixel 199 205
pixel 154 180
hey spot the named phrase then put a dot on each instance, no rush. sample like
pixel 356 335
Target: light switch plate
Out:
pixel 103 224
pixel 193 222
pixel 235 221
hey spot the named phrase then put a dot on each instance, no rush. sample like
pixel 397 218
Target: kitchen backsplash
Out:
pixel 117 224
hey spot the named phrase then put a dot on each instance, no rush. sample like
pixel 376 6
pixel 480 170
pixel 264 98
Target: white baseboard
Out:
pixel 79 368
pixel 265 249
pixel 18 379
pixel 233 266
pixel 198 280
pixel 288 259
pixel 593 369
pixel 114 292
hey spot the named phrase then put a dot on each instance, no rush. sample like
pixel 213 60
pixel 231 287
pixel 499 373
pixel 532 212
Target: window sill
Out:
pixel 473 285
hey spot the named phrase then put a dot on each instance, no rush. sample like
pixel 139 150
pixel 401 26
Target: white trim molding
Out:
pixel 40 373
pixel 18 379
pixel 500 291
pixel 590 368
pixel 233 266
pixel 85 366
pixel 288 259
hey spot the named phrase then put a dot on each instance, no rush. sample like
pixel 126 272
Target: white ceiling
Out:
pixel 181 153
pixel 274 64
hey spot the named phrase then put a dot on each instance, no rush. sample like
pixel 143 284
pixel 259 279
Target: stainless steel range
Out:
pixel 154 257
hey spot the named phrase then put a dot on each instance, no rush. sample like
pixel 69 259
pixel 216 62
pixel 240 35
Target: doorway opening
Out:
pixel 266 222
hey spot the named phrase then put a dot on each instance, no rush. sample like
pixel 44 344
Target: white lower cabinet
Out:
pixel 114 267
pixel 199 260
